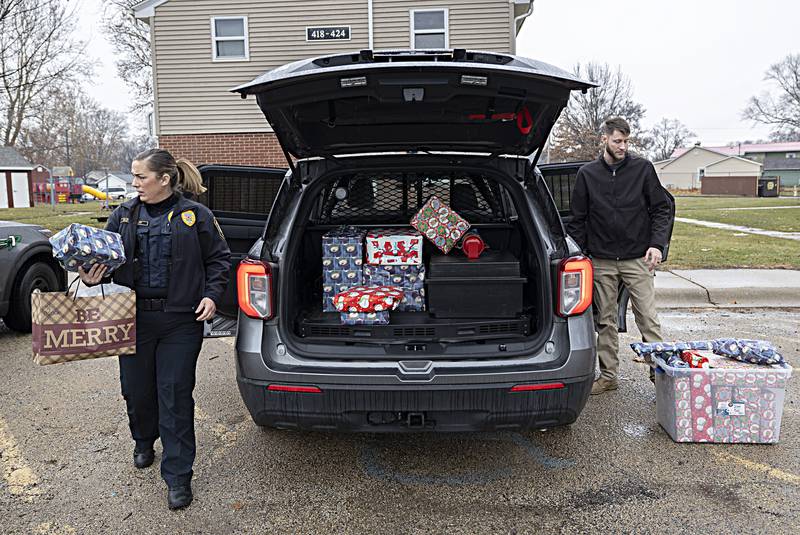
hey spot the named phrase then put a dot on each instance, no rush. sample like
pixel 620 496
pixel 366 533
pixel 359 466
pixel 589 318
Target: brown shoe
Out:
pixel 603 385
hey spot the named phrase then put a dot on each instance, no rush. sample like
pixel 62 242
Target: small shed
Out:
pixel 16 189
pixel 732 176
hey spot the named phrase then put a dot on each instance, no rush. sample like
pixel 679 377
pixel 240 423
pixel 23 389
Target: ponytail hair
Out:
pixel 189 179
pixel 183 175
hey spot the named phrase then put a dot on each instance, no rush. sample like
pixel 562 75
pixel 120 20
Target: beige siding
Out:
pixel 734 167
pixel 682 173
pixel 475 24
pixel 192 91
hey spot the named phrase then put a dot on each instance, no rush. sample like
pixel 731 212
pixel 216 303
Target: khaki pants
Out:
pixel 639 281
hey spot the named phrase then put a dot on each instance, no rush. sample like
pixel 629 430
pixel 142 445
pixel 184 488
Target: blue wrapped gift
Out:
pixel 80 245
pixel 365 318
pixel 342 258
pixel 411 279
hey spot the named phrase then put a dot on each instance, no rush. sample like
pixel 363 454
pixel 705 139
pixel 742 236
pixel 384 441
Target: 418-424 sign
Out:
pixel 327 33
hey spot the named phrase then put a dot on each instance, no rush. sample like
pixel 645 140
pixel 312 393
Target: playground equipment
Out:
pixel 64 192
pixel 95 192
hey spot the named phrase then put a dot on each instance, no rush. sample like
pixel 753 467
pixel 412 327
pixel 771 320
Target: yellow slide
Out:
pixel 96 192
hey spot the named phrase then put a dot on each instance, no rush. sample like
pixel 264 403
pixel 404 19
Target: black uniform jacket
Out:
pixel 200 261
pixel 619 214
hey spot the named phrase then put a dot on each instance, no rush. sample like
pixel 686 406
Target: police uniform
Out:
pixel 176 255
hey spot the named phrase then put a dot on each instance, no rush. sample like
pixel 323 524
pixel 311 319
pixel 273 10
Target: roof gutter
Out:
pixel 369 24
pixel 518 21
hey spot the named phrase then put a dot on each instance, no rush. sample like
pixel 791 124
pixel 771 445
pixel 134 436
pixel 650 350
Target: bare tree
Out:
pixel 37 51
pixel 779 107
pixel 98 137
pixel 130 38
pixel 576 135
pixel 666 136
pixel 6 8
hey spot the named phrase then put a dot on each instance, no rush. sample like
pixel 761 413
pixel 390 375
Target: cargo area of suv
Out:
pixel 503 340
pixel 387 200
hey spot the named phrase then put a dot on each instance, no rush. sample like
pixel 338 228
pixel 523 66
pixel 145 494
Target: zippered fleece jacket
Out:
pixel 619 213
pixel 200 260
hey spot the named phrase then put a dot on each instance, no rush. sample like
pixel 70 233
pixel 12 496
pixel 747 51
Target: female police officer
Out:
pixel 178 265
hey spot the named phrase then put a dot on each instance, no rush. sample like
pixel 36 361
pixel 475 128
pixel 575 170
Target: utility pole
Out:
pixel 66 134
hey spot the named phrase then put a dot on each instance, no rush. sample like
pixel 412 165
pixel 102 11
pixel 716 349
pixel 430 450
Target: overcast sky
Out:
pixel 698 61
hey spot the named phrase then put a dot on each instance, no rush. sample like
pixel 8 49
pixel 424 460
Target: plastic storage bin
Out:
pixel 737 404
pixel 487 287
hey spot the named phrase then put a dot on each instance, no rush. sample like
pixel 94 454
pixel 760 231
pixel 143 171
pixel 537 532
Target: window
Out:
pixel 791 155
pixel 229 39
pixel 429 28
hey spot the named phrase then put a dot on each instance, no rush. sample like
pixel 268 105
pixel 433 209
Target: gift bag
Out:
pixel 66 326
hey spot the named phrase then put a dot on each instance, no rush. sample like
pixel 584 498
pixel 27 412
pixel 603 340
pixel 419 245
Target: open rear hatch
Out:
pixel 459 101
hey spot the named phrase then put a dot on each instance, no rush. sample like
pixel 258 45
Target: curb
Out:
pixel 741 288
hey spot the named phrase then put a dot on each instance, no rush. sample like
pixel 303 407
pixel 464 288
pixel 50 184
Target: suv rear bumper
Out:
pixel 415 408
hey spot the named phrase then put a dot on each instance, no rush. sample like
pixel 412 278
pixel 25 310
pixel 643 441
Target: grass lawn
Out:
pixel 695 247
pixel 704 203
pixel 714 209
pixel 59 217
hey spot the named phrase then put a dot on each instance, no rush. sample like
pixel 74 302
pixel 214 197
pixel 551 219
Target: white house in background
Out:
pixel 97 179
pixel 734 166
pixel 15 179
pixel 686 171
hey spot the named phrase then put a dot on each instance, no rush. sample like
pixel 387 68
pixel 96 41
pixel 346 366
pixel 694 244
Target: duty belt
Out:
pixel 151 304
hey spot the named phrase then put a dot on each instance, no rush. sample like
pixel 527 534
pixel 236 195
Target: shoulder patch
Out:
pixel 188 218
pixel 169 215
pixel 219 229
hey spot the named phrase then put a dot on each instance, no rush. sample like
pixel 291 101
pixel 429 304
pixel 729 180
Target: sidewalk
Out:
pixel 728 288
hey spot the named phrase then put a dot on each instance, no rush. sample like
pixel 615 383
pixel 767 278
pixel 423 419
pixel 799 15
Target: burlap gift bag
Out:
pixel 67 327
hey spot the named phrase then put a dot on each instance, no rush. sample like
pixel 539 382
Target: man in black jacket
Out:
pixel 620 217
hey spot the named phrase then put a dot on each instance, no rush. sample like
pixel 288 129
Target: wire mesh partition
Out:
pixel 241 193
pixel 394 198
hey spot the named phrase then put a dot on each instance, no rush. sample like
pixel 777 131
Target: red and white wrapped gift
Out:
pixel 368 299
pixel 394 247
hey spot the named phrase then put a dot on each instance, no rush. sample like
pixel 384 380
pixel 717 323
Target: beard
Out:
pixel 614 157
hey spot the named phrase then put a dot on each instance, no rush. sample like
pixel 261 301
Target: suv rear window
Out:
pixel 394 198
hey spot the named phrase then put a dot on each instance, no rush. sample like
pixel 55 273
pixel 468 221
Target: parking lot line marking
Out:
pixel 48 528
pixel 758 467
pixel 224 434
pixel 20 479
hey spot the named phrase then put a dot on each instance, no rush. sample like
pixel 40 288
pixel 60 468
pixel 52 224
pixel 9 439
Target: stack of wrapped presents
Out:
pixel 394 258
pixel 724 390
pixel 342 259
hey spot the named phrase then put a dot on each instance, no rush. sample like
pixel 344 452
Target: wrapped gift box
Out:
pixel 344 241
pixel 368 299
pixel 365 318
pixel 410 279
pixel 80 245
pixel 342 258
pixel 440 224
pixel 737 402
pixel 394 247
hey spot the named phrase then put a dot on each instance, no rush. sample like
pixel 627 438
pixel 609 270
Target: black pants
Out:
pixel 157 385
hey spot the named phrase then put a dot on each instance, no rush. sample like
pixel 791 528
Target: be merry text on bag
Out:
pixel 67 328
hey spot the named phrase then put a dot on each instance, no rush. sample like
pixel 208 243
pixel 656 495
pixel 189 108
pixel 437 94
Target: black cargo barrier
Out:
pixel 410 325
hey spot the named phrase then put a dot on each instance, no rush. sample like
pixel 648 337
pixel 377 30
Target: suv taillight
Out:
pixel 574 286
pixel 254 286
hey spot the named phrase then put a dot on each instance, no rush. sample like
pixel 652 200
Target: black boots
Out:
pixel 144 458
pixel 179 497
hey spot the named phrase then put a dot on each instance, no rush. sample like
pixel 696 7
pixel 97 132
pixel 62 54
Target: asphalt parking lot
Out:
pixel 65 461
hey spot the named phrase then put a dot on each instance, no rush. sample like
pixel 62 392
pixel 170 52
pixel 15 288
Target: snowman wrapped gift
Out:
pixel 367 305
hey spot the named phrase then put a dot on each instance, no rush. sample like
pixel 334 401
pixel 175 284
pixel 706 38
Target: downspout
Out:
pixel 518 20
pixel 369 23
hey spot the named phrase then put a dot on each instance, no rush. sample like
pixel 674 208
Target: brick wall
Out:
pixel 260 149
